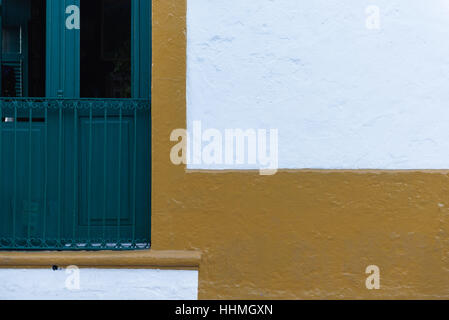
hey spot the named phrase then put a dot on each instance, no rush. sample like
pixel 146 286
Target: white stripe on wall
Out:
pixel 97 284
pixel 342 94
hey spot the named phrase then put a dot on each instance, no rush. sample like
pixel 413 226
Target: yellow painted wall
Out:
pixel 297 234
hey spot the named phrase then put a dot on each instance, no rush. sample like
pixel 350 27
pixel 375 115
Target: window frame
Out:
pixel 63 83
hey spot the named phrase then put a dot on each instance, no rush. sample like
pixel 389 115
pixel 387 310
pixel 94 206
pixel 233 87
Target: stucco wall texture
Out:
pixel 348 84
pixel 297 234
pixel 95 284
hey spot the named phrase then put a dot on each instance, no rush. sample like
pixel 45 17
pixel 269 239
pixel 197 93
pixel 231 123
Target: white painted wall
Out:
pixel 98 284
pixel 340 94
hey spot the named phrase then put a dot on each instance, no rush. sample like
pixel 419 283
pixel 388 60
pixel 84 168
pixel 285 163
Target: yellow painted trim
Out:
pixel 148 259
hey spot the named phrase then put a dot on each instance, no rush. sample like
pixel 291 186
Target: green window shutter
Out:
pixel 77 172
pixel 63 52
pixel 141 49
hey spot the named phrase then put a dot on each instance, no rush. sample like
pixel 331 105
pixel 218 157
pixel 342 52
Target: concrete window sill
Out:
pixel 145 259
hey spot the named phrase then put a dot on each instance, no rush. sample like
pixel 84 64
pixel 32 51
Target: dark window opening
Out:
pixel 105 49
pixel 23 48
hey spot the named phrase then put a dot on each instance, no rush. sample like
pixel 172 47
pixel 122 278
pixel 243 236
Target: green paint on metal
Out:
pixel 76 172
pixel 56 161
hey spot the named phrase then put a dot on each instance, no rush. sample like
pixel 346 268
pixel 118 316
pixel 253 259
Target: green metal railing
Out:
pixel 74 174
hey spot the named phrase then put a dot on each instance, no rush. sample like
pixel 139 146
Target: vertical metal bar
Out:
pixel 15 176
pixel 119 175
pixel 59 172
pixel 148 240
pixel 1 154
pixel 89 174
pixel 44 235
pixel 30 115
pixel 105 144
pixel 134 173
pixel 75 170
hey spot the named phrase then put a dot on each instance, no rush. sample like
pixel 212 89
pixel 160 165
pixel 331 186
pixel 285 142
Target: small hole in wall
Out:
pixel 55 267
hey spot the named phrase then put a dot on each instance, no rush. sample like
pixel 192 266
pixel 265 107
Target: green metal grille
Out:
pixel 74 174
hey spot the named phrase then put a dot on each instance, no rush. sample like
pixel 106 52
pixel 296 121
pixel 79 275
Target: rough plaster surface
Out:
pixel 99 284
pixel 340 94
pixel 298 234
